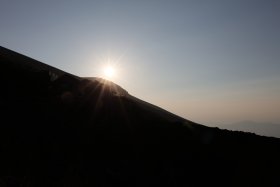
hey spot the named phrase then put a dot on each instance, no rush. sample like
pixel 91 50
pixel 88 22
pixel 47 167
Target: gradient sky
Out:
pixel 210 61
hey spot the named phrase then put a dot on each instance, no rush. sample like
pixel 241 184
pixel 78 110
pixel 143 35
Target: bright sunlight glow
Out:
pixel 109 71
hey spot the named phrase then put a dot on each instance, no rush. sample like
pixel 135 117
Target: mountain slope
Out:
pixel 65 130
pixel 265 129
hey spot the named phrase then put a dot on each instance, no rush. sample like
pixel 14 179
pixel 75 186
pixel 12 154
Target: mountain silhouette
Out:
pixel 261 128
pixel 58 129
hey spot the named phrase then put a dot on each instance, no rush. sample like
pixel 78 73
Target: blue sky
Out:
pixel 213 62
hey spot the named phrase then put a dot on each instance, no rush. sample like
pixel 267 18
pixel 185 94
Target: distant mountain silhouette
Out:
pixel 260 128
pixel 58 129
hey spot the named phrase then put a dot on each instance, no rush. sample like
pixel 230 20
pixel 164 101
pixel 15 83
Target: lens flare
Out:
pixel 109 71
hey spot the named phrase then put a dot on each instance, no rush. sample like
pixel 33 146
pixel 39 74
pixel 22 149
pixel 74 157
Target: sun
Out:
pixel 109 71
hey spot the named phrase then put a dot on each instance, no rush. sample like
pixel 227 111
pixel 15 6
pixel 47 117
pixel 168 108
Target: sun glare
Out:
pixel 109 68
pixel 109 72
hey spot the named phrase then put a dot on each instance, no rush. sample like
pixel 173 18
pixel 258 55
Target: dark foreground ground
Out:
pixel 57 129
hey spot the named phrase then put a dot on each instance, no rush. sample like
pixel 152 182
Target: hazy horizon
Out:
pixel 212 62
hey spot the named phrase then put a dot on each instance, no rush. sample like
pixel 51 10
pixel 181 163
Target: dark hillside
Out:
pixel 73 131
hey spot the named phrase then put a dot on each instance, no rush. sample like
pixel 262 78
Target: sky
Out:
pixel 212 62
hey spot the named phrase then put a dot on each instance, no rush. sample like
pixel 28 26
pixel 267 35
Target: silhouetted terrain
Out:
pixel 264 128
pixel 58 129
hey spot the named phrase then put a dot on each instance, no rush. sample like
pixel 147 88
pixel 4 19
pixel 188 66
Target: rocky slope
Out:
pixel 58 129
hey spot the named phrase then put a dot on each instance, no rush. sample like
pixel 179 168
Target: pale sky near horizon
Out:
pixel 212 62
